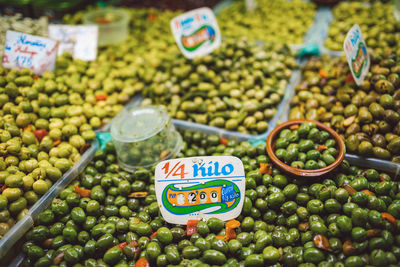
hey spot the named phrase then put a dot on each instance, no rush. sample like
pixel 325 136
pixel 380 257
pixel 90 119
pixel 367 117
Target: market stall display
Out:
pixel 237 87
pixel 267 22
pixel 72 194
pixel 377 22
pixel 366 117
pixel 110 217
pixel 47 123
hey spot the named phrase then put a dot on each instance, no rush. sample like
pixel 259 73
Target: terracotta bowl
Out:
pixel 270 146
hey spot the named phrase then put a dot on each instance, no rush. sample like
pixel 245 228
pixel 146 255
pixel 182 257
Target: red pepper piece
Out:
pixel 153 235
pixel 82 191
pixel 321 148
pixel 265 168
pixel 191 227
pixel 349 189
pixel 57 142
pixel 223 141
pixel 122 245
pixel 366 191
pixel 230 227
pixel 3 187
pixel 323 73
pixel 389 217
pixel 142 262
pixel 101 97
pixel 39 134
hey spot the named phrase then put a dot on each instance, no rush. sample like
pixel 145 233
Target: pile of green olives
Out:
pixel 367 116
pixel 266 22
pixel 348 218
pixel 306 147
pixel 237 87
pixel 47 122
pixel 379 27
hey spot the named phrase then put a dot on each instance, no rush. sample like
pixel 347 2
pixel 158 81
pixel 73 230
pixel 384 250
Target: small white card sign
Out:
pixel 196 32
pixel 357 55
pixel 80 41
pixel 29 51
pixel 200 188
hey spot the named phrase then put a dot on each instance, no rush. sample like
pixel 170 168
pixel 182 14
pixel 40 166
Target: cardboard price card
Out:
pixel 200 188
pixel 29 51
pixel 196 32
pixel 80 41
pixel 357 55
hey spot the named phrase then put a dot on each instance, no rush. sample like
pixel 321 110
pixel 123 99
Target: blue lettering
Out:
pixel 216 165
pixel 186 21
pixel 197 168
pixel 225 171
pixel 209 169
pixel 22 40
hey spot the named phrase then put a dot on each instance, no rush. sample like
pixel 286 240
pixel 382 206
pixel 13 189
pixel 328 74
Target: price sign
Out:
pixel 196 32
pixel 200 188
pixel 29 51
pixel 80 41
pixel 357 55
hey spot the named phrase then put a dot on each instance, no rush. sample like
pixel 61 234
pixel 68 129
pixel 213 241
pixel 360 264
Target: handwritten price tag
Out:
pixel 200 188
pixel 80 41
pixel 29 51
pixel 357 55
pixel 196 32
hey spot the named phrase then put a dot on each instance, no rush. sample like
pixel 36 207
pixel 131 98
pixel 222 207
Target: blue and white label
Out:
pixel 357 55
pixel 196 32
pixel 29 51
pixel 200 188
pixel 78 40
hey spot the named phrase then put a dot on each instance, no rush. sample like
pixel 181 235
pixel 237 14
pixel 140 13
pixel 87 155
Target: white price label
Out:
pixel 29 51
pixel 357 55
pixel 80 41
pixel 196 32
pixel 200 188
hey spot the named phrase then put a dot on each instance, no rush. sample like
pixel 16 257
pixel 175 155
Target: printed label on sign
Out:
pixel 200 188
pixel 80 41
pixel 29 51
pixel 357 55
pixel 196 32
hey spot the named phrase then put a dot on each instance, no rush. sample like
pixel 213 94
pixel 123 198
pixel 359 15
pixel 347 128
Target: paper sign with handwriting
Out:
pixel 357 55
pixel 29 51
pixel 196 32
pixel 80 41
pixel 200 188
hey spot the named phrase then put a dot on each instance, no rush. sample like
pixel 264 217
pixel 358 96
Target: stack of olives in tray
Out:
pixel 266 22
pixel 367 116
pixel 47 122
pixel 150 38
pixel 237 87
pixel 108 217
pixel 306 147
pixel 379 27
